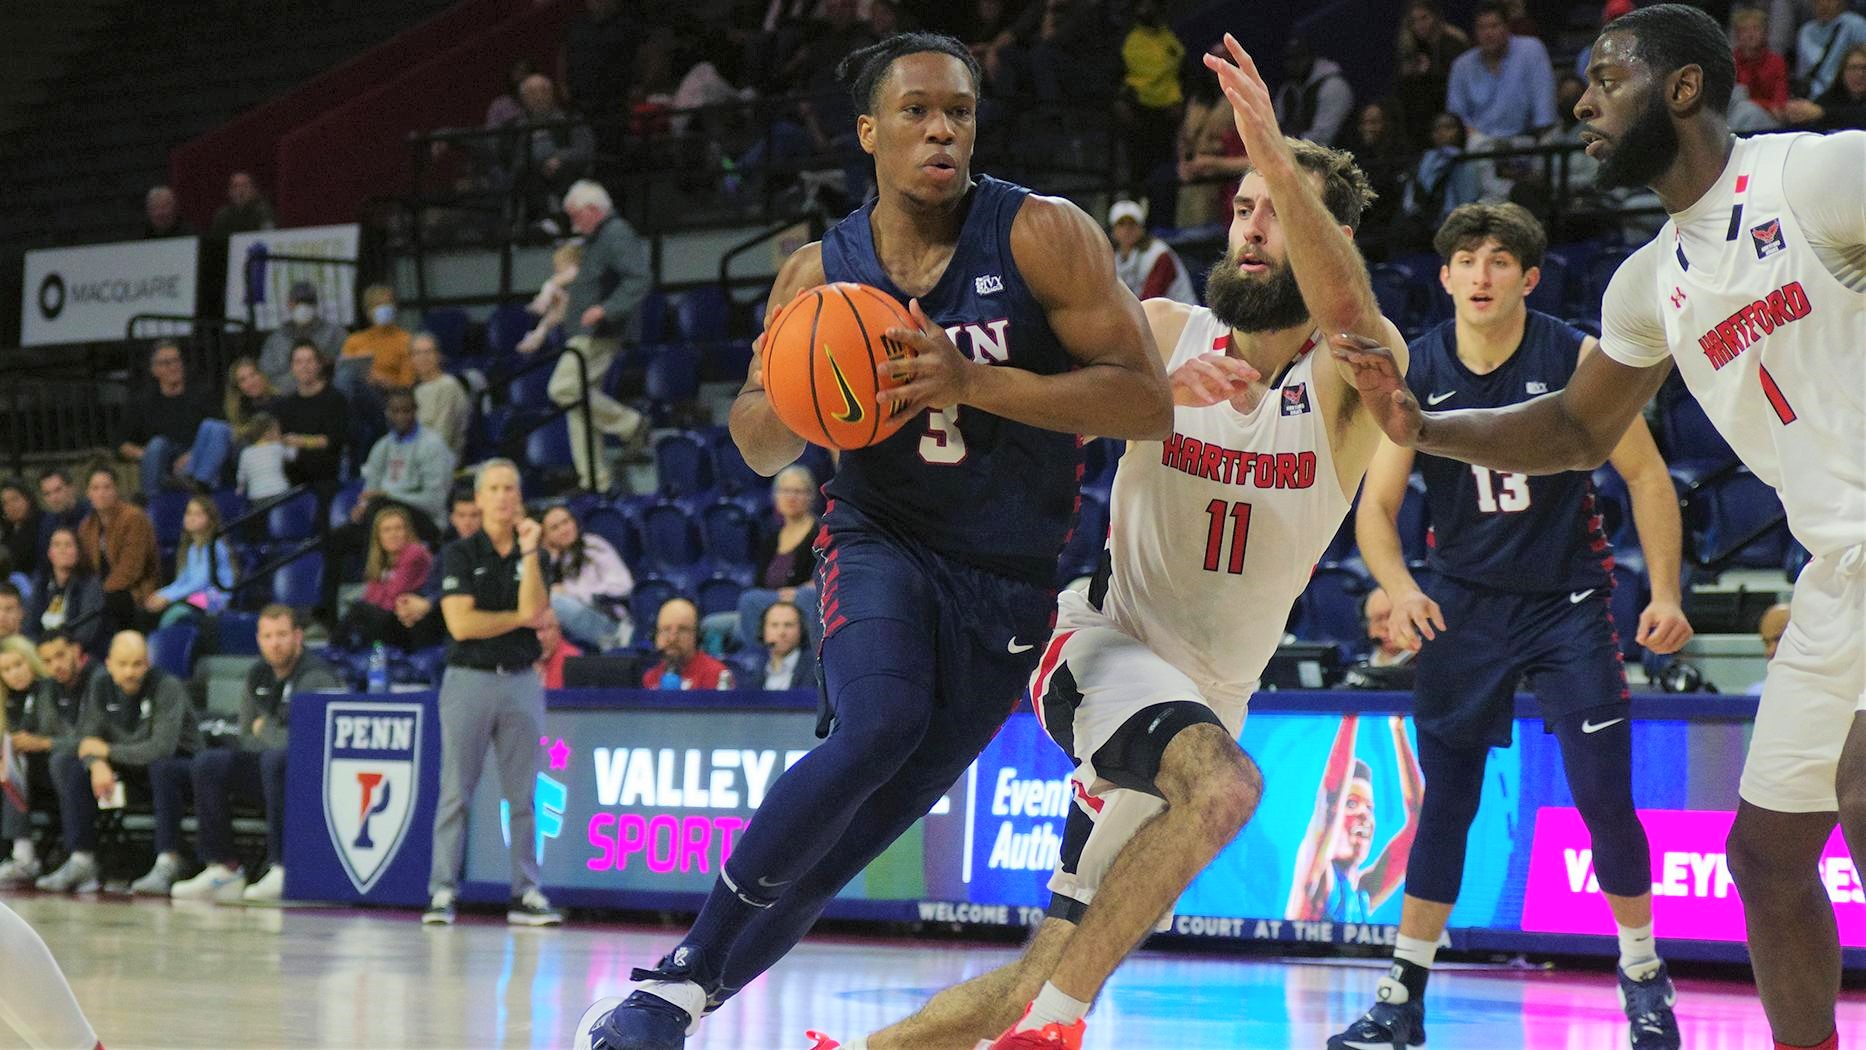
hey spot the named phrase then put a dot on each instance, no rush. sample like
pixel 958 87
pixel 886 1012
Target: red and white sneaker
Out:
pixel 823 1042
pixel 1051 1036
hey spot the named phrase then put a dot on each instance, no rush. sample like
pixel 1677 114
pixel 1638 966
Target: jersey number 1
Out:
pixel 943 444
pixel 1239 515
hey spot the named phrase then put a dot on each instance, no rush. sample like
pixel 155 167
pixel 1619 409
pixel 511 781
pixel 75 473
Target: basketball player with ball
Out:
pixel 995 333
pixel 1216 529
pixel 1755 290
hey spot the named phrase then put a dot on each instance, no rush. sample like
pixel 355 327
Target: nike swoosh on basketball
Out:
pixel 851 405
pixel 1012 647
pixel 1590 727
pixel 1436 398
pixel 1579 596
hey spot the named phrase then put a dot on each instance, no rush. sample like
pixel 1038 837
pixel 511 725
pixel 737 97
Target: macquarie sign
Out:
pixel 89 294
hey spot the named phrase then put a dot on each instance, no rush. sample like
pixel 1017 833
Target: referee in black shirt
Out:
pixel 492 592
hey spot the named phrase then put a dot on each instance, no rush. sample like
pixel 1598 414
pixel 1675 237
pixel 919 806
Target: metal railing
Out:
pixel 512 443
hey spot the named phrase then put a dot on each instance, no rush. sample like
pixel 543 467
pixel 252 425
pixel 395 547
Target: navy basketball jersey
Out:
pixel 1507 531
pixel 976 487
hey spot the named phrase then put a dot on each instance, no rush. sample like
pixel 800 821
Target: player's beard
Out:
pixel 1646 149
pixel 1263 303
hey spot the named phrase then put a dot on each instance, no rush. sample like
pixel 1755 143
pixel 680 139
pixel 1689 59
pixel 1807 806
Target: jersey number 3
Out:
pixel 943 444
pixel 1239 516
pixel 1514 497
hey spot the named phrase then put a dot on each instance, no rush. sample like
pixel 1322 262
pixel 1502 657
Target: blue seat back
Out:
pixel 684 465
pixel 449 326
pixel 296 583
pixel 669 538
pixel 731 534
pixel 172 649
pixel 645 603
pixel 294 519
pixel 673 375
pixel 549 445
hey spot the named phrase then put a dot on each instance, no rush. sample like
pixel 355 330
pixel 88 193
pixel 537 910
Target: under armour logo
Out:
pixel 1678 298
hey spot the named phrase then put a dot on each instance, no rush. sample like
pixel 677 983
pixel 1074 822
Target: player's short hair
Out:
pixel 1346 191
pixel 864 70
pixel 1511 225
pixel 1668 37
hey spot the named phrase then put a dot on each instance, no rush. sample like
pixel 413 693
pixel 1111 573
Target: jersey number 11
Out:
pixel 1239 516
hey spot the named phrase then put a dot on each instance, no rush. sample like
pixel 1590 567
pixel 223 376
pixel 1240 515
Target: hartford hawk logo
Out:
pixel 1295 399
pixel 372 767
pixel 1767 237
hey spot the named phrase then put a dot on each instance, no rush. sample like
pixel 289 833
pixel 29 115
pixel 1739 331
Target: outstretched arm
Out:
pixel 1662 624
pixel 1388 871
pixel 766 443
pixel 1308 891
pixel 1118 388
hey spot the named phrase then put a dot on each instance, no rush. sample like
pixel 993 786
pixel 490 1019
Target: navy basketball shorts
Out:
pixel 1562 645
pixel 976 633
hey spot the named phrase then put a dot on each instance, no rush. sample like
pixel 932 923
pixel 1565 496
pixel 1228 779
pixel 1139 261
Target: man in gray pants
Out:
pixel 492 594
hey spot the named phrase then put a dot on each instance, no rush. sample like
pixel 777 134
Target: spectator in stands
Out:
pixel 1314 100
pixel 1151 98
pixel 302 323
pixel 20 674
pixel 1578 175
pixel 20 526
pixel 173 429
pixel 1376 612
pixel 119 545
pixel 421 613
pixel 555 151
pixel 1149 267
pixel 375 359
pixel 441 405
pixel 12 610
pixel 589 583
pixel 608 288
pixel 1844 104
pixel 1427 46
pixel 1211 158
pixel 261 474
pixel 1503 90
pixel 314 418
pixel 506 110
pixel 599 46
pixel 204 569
pixel 787 663
pixel 1771 628
pixel 1070 50
pixel 246 209
pixel 398 564
pixel 249 392
pixel 553 299
pixel 682 664
pixel 1822 46
pixel 40 722
pixel 411 467
pixel 988 31
pixel 137 730
pixel 1441 183
pixel 162 215
pixel 67 596
pixel 1380 147
pixel 63 508
pixel 255 769
pixel 555 649
pixel 1763 71
pixel 786 565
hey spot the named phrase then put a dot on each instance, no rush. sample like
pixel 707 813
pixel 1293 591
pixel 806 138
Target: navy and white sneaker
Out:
pixel 1647 1000
pixel 1396 1022
pixel 658 1016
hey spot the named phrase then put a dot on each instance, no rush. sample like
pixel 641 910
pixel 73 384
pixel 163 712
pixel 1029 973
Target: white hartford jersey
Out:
pixel 1767 324
pixel 1213 533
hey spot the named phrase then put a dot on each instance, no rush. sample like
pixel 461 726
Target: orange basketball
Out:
pixel 825 362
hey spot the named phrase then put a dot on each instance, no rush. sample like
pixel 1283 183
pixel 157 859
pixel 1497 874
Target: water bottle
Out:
pixel 670 679
pixel 378 669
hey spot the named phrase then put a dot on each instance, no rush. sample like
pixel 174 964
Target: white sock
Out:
pixel 1638 951
pixel 1415 950
pixel 23 851
pixel 1051 1006
pixel 38 1004
pixel 84 856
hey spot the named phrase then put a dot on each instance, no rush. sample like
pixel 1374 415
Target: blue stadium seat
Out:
pixel 734 475
pixel 236 633
pixel 294 519
pixel 549 445
pixel 1082 554
pixel 613 525
pixel 1599 272
pixel 646 601
pixel 703 314
pixel 1100 456
pixel 295 583
pixel 1551 292
pixel 1740 505
pixel 1331 606
pixel 165 511
pixel 1615 506
pixel 449 326
pixel 1795 560
pixel 1585 324
pixel 343 502
pixel 508 324
pixel 731 534
pixel 172 649
pixel 673 375
pixel 651 317
pixel 719 593
pixel 1629 598
pixel 669 537
pixel 531 390
pixel 684 464
pixel 1689 436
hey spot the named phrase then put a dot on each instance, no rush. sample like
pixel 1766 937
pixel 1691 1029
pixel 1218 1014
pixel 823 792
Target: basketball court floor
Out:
pixel 155 974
